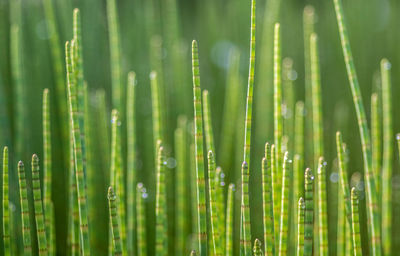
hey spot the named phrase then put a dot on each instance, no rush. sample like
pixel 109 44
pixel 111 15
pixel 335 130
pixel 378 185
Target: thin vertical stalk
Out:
pixel 308 29
pixel 288 101
pixel 23 195
pixel 299 134
pixel 275 196
pixel 257 251
pixel 131 161
pixel 268 217
pixel 180 188
pixel 387 158
pixel 376 135
pixel 38 207
pixel 161 206
pixel 229 220
pixel 355 223
pixel 373 220
pixel 212 203
pixel 278 130
pixel 341 223
pixel 113 37
pixel 79 175
pixel 248 123
pixel 114 220
pixel 141 220
pixel 309 212
pixel 245 209
pixel 156 108
pixel 207 122
pixel 6 209
pixel 220 207
pixel 47 168
pixel 322 208
pixel 284 213
pixel 300 227
pixel 198 131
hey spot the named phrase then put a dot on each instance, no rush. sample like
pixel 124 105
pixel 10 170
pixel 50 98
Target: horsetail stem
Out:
pixel 245 211
pixel 387 158
pixel 141 220
pixel 376 133
pixel 309 212
pixel 38 207
pixel 23 195
pixel 356 237
pixel 268 217
pixel 220 207
pixel 51 240
pixel 341 223
pixel 299 142
pixel 257 251
pixel 180 188
pixel 131 161
pixel 212 204
pixel 300 227
pixel 198 131
pixel 113 37
pixel 229 220
pixel 79 175
pixel 47 168
pixel 308 29
pixel 114 220
pixel 275 197
pixel 246 241
pixel 161 205
pixel 343 176
pixel 155 102
pixel 6 209
pixel 284 213
pixel 288 101
pixel 278 115
pixel 373 220
pixel 322 208
pixel 208 123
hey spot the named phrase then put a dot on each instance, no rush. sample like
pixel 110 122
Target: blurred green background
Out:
pixel 218 26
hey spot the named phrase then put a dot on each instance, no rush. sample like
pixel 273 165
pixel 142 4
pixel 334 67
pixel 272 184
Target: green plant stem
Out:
pixel 268 217
pixel 376 134
pixel 275 197
pixel 141 220
pixel 198 131
pixel 300 227
pixel 387 158
pixel 355 223
pixel 23 194
pixel 309 212
pixel 212 204
pixel 245 209
pixel 284 213
pixel 156 108
pixel 373 220
pixel 114 219
pixel 322 208
pixel 208 123
pixel 257 251
pixel 6 209
pixel 229 220
pixel 161 206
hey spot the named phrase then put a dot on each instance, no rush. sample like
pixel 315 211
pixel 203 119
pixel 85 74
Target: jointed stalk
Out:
pixel 23 194
pixel 373 220
pixel 161 205
pixel 268 217
pixel 355 224
pixel 156 107
pixel 322 209
pixel 300 227
pixel 198 131
pixel 309 212
pixel 220 207
pixel 284 213
pixel 387 158
pixel 257 251
pixel 229 220
pixel 114 219
pixel 376 133
pixel 212 204
pixel 245 210
pixel 6 209
pixel 141 220
pixel 207 122
pixel 275 197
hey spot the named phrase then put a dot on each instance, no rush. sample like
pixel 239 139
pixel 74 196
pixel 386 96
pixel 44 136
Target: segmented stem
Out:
pixel 268 217
pixel 141 220
pixel 6 209
pixel 114 219
pixel 23 195
pixel 156 108
pixel 309 212
pixel 355 223
pixel 376 135
pixel 212 203
pixel 198 131
pixel 387 158
pixel 373 220
pixel 245 211
pixel 322 208
pixel 257 251
pixel 300 227
pixel 284 213
pixel 275 196
pixel 208 122
pixel 161 205
pixel 229 220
